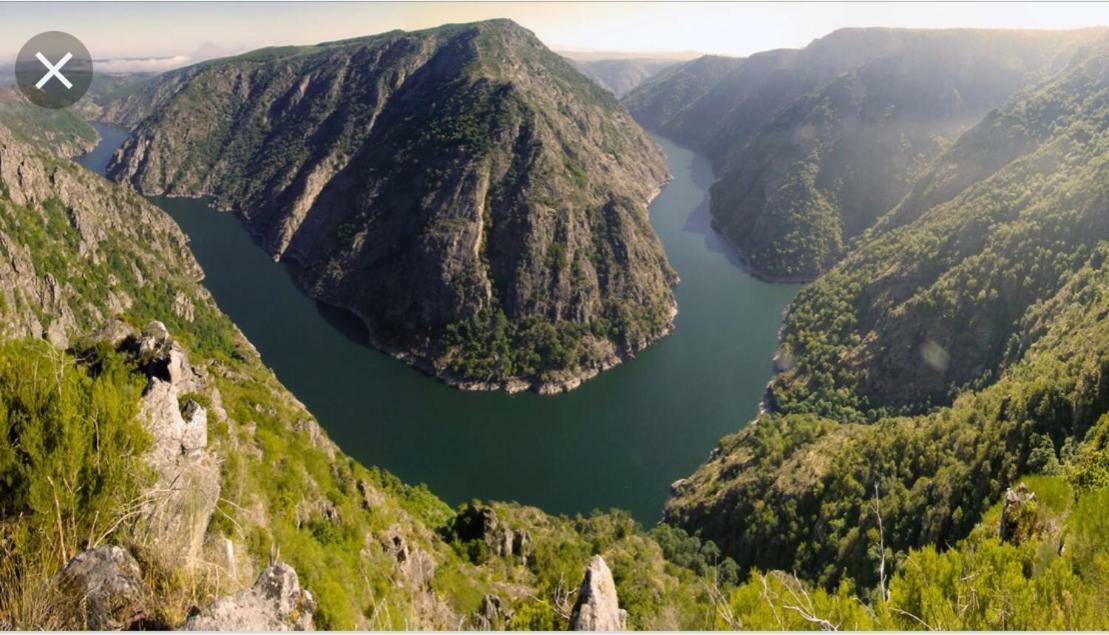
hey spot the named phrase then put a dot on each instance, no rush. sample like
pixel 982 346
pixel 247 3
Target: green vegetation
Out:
pixel 941 304
pixel 792 506
pixel 125 266
pixel 59 131
pixel 958 350
pixel 1053 579
pixel 812 146
pixel 490 346
pixel 69 467
pixel 469 193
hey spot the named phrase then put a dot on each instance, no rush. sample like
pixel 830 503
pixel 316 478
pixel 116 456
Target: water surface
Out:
pixel 616 442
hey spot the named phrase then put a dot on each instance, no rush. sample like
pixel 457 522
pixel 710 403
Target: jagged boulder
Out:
pixel 276 602
pixel 1018 516
pixel 108 587
pixel 184 496
pixel 478 522
pixel 371 498
pixel 493 615
pixel 598 608
pixel 416 566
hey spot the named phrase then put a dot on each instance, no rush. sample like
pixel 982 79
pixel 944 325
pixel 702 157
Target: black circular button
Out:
pixel 54 69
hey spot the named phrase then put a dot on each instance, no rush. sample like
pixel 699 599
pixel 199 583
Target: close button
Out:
pixel 53 69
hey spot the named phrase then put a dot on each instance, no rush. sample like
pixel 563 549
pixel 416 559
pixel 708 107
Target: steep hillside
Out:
pixel 659 101
pixel 478 202
pixel 161 466
pixel 812 146
pixel 621 75
pixel 59 131
pixel 935 304
pixel 980 320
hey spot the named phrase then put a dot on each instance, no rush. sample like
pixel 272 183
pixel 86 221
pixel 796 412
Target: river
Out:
pixel 616 442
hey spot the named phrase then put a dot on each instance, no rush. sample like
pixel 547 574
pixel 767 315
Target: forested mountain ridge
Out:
pixel 477 201
pixel 659 100
pixel 935 303
pixel 59 131
pixel 957 348
pixel 811 146
pixel 621 75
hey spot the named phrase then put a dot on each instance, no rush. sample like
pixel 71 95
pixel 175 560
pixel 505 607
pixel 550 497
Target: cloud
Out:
pixel 141 64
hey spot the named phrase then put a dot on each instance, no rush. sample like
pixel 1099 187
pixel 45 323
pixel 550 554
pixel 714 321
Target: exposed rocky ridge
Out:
pixel 811 146
pixel 183 498
pixel 478 202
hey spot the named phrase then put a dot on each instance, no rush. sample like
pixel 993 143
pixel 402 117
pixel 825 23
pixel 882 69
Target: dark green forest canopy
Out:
pixel 953 351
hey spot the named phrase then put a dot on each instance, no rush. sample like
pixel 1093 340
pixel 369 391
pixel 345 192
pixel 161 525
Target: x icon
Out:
pixel 53 70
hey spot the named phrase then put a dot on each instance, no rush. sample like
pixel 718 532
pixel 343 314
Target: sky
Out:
pixel 152 35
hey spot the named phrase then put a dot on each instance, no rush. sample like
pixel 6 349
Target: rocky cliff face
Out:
pixel 183 498
pixel 73 253
pixel 275 603
pixel 61 132
pixel 469 194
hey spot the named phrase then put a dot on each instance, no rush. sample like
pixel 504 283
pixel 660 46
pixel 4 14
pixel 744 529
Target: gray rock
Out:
pixel 493 614
pixel 187 489
pixel 155 337
pixel 275 603
pixel 415 566
pixel 371 498
pixel 598 608
pixel 107 584
pixel 478 522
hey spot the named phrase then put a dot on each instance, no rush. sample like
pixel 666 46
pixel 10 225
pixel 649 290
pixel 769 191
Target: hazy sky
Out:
pixel 192 30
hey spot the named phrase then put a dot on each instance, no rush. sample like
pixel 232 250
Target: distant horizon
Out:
pixel 136 36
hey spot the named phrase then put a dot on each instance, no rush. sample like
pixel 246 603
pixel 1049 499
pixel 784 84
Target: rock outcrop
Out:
pixel 493 614
pixel 108 588
pixel 597 607
pixel 478 522
pixel 276 602
pixel 1018 515
pixel 184 497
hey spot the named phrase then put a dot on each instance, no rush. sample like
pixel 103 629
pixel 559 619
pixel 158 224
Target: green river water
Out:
pixel 616 442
